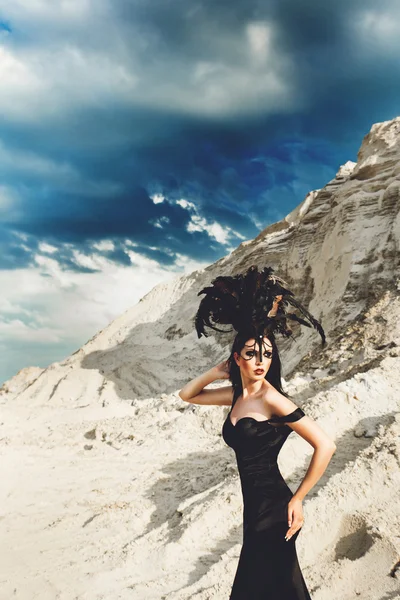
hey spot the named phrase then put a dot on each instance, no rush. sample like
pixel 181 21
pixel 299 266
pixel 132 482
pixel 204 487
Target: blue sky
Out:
pixel 140 140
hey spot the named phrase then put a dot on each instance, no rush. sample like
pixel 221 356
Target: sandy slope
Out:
pixel 139 515
pixel 114 488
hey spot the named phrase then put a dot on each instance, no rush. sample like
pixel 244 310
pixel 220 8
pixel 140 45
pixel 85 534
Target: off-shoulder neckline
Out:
pixel 273 419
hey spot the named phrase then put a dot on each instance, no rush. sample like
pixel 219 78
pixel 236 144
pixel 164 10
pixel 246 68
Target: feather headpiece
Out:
pixel 253 301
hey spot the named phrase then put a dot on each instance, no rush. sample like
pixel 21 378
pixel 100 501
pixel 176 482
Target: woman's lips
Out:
pixel 259 371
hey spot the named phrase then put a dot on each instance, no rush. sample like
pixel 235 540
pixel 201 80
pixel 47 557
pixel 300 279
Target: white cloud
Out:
pixel 6 198
pixel 64 68
pixel 49 10
pixel 57 80
pixel 157 198
pixel 188 265
pixel 90 262
pixel 225 89
pixel 199 223
pixel 378 28
pixel 63 309
pixel 213 229
pixel 104 245
pixel 9 205
pixel 160 222
pixel 260 41
pixel 17 331
pixel 239 235
pixel 21 235
pixel 18 83
pixel 43 247
pixel 186 204
pixel 51 267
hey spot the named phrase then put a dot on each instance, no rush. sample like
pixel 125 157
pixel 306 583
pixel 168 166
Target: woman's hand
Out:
pixel 221 370
pixel 295 516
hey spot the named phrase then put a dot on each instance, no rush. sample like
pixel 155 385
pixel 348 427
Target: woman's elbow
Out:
pixel 183 397
pixel 331 447
pixel 327 447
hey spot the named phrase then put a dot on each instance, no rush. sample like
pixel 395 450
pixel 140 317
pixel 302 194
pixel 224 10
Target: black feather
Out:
pixel 244 301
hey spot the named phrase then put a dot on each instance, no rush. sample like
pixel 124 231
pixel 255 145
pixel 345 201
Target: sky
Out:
pixel 143 139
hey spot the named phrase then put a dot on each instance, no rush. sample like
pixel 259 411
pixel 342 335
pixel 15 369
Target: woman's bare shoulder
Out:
pixel 277 403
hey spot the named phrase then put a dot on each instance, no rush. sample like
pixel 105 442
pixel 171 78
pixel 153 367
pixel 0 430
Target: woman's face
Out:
pixel 249 358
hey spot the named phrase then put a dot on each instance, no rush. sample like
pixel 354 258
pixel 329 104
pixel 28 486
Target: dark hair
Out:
pixel 273 374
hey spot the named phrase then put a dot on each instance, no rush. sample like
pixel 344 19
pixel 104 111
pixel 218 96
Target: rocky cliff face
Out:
pixel 338 250
pixel 114 487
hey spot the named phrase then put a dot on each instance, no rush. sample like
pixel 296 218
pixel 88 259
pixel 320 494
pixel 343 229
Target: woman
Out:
pixel 260 420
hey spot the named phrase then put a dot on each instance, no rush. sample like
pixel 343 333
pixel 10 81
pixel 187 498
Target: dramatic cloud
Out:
pixel 166 132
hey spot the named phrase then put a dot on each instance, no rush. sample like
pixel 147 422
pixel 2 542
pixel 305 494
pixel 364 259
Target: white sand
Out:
pixel 114 488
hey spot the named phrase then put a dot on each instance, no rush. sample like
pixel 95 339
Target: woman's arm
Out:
pixel 321 457
pixel 306 427
pixel 193 391
pixel 324 448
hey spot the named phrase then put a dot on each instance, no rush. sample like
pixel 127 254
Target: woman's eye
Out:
pixel 267 353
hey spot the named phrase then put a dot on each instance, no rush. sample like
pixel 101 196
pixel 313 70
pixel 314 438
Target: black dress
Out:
pixel 268 568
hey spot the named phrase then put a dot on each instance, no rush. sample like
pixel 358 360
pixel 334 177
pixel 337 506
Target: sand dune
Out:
pixel 114 488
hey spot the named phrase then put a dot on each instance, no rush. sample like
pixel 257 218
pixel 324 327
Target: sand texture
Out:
pixel 114 488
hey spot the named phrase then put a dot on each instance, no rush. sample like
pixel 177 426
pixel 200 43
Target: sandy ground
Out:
pixel 145 502
pixel 114 488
